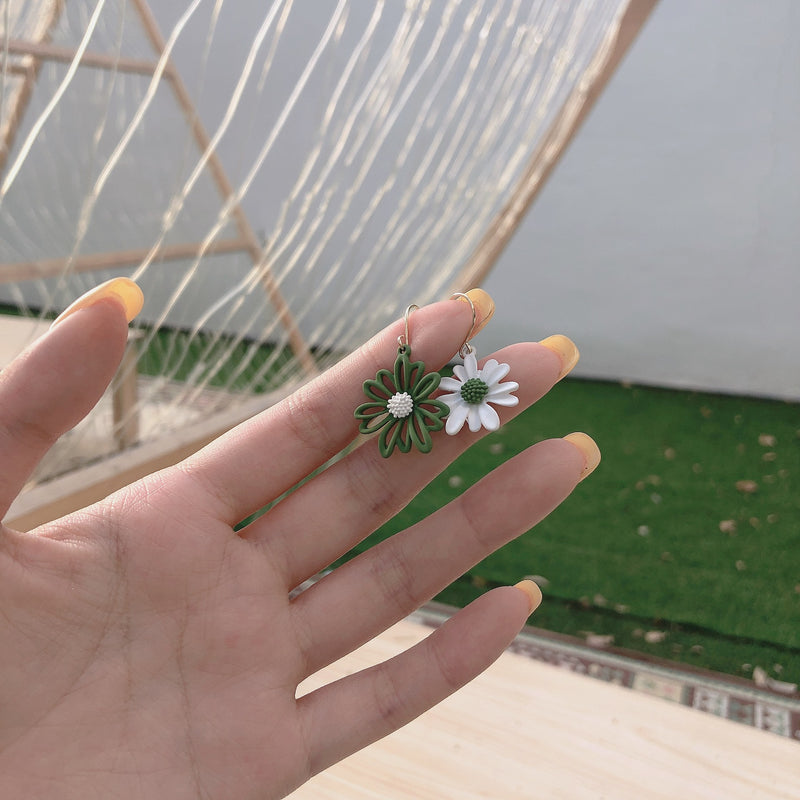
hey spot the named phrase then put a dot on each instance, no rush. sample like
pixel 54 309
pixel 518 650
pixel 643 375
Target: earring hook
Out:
pixel 403 340
pixel 466 348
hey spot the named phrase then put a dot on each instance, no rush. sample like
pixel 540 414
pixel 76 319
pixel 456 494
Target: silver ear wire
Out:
pixel 403 340
pixel 466 348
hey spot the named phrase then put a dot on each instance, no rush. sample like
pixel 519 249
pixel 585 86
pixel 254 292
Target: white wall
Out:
pixel 666 243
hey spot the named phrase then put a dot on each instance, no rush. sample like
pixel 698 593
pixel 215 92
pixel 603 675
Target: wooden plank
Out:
pixel 22 96
pixel 44 51
pixel 116 259
pixel 526 729
pixel 125 399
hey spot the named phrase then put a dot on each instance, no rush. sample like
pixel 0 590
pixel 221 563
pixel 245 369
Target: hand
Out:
pixel 147 650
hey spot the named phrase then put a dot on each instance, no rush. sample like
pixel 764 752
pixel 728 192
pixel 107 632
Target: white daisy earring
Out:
pixel 471 392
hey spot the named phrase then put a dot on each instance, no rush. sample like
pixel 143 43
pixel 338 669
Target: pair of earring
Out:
pixel 400 405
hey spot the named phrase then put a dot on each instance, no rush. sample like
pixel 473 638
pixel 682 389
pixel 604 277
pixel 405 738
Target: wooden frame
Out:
pixel 41 51
pixel 29 73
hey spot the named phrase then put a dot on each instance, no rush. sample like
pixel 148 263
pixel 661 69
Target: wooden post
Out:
pixel 125 396
pixel 545 157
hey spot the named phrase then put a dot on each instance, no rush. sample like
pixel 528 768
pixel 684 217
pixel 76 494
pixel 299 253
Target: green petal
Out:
pixel 371 408
pixel 431 413
pixel 420 433
pixel 426 386
pixel 372 422
pixel 391 437
pixel 377 389
pixel 407 373
pixel 415 375
pixel 400 371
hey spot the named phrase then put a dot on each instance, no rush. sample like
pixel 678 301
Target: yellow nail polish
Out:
pixel 589 449
pixel 565 349
pixel 533 593
pixel 484 308
pixel 122 289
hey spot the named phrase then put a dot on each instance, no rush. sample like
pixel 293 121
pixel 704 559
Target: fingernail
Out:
pixel 532 592
pixel 589 449
pixel 565 349
pixel 122 289
pixel 484 307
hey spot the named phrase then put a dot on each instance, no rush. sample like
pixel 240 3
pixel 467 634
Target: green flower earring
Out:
pixel 399 404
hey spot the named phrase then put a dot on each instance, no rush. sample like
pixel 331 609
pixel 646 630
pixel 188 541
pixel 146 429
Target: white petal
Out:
pixel 470 365
pixel 502 399
pixel 461 373
pixel 458 413
pixel 487 368
pixel 450 384
pixel 493 372
pixel 474 417
pixel 451 400
pixel 508 386
pixel 498 373
pixel 489 417
pixel 502 389
pixel 501 394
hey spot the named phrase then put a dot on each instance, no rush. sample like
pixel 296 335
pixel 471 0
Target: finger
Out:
pixel 263 457
pixel 50 387
pixel 403 572
pixel 328 516
pixel 351 713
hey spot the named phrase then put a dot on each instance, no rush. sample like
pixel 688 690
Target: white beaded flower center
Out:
pixel 400 405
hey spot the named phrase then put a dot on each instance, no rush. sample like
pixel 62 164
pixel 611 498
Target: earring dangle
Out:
pixel 399 404
pixel 470 391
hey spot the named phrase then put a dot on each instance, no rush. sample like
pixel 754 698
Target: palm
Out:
pixel 174 659
pixel 147 649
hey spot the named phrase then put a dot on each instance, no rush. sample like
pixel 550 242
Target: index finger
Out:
pixel 50 387
pixel 267 455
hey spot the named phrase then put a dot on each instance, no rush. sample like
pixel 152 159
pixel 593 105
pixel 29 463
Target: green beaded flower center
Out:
pixel 474 390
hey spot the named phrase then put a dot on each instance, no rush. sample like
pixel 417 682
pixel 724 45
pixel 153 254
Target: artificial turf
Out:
pixel 684 544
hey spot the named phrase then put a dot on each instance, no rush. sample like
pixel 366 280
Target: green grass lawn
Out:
pixel 688 532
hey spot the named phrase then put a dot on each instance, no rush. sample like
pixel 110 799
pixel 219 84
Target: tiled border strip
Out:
pixel 710 692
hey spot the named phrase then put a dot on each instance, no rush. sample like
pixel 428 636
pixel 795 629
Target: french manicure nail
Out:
pixel 589 449
pixel 565 349
pixel 124 290
pixel 532 592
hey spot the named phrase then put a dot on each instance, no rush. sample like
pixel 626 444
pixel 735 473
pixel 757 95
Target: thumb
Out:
pixel 52 385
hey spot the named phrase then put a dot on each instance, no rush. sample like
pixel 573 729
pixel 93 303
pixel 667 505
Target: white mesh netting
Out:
pixel 281 178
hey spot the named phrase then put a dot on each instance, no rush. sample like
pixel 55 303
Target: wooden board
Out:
pixel 526 729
